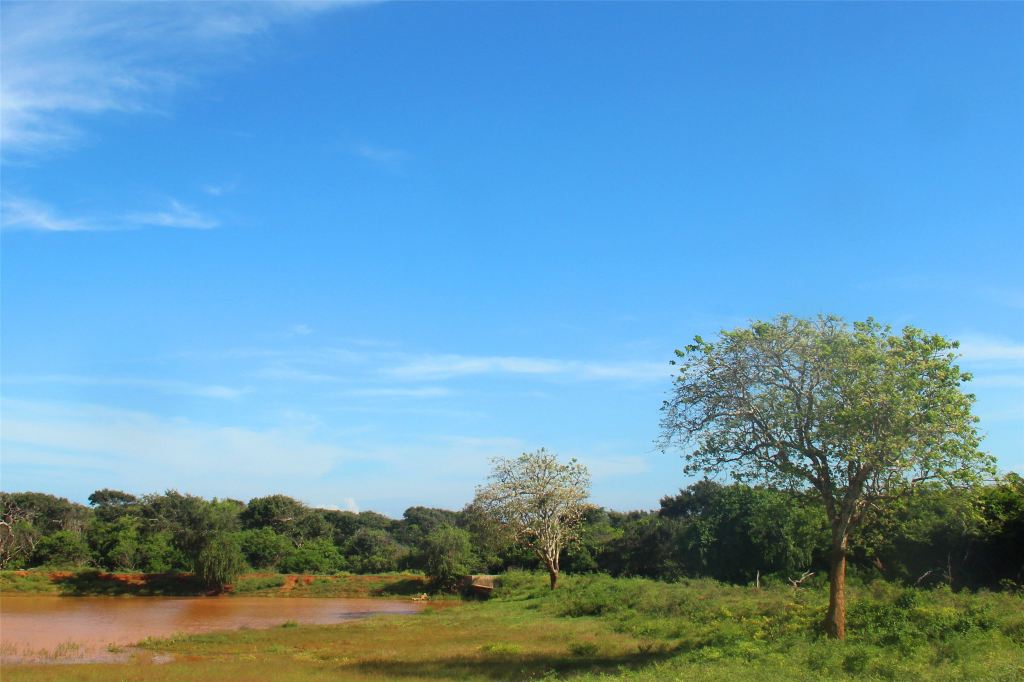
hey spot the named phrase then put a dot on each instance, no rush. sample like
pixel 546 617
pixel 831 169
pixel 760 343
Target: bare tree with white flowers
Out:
pixel 540 501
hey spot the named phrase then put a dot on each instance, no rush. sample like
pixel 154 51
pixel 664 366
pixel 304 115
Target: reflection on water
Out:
pixel 94 628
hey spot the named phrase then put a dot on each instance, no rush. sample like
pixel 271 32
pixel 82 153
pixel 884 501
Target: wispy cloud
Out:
pixel 997 364
pixel 149 452
pixel 160 385
pixel 176 215
pixel 17 213
pixel 447 366
pixel 400 392
pixel 83 447
pixel 325 364
pixel 999 381
pixel 441 366
pixel 374 363
pixel 990 349
pixel 26 214
pixel 65 61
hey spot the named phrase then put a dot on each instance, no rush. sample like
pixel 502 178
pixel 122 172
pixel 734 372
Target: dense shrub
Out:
pixel 61 549
pixel 315 556
pixel 264 548
pixel 894 632
pixel 371 550
pixel 448 556
pixel 908 620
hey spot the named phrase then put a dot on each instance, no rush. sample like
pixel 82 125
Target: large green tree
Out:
pixel 855 412
pixel 190 521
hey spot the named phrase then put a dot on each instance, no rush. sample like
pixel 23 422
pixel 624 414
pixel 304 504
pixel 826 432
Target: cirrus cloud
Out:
pixel 18 213
pixel 64 62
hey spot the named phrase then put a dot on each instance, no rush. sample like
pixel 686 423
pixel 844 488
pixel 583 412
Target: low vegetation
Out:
pixel 598 627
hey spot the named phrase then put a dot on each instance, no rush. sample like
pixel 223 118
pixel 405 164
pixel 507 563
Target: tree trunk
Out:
pixel 550 558
pixel 835 619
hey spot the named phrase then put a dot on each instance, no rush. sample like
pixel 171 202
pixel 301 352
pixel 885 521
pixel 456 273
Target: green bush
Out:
pixel 157 553
pixel 910 621
pixel 264 548
pixel 316 556
pixel 448 555
pixel 371 550
pixel 61 549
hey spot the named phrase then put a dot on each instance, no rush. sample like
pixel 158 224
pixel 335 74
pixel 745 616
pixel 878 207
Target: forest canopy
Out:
pixel 965 538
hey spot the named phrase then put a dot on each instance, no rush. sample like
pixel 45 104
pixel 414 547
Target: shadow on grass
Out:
pixel 98 583
pixel 508 667
pixel 404 587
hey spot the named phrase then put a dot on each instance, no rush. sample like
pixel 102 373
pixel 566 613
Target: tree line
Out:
pixel 852 447
pixel 737 533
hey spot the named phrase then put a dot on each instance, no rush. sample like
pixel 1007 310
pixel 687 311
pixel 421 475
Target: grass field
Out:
pixel 595 627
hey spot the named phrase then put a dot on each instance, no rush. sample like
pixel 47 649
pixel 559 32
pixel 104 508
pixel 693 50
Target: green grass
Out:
pixel 599 628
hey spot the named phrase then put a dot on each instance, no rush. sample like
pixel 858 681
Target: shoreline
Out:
pixel 97 583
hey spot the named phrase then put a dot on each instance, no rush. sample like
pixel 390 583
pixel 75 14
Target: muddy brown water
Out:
pixel 75 629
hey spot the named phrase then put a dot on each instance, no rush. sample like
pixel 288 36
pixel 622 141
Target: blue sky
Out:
pixel 350 252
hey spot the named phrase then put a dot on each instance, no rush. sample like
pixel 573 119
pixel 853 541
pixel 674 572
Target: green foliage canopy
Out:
pixel 314 556
pixel 448 555
pixel 63 549
pixel 853 411
pixel 372 550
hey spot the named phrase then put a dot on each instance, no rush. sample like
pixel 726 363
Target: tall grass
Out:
pixel 601 628
pixel 893 632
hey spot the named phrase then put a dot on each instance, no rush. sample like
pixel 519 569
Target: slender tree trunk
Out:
pixel 550 557
pixel 835 619
pixel 551 561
